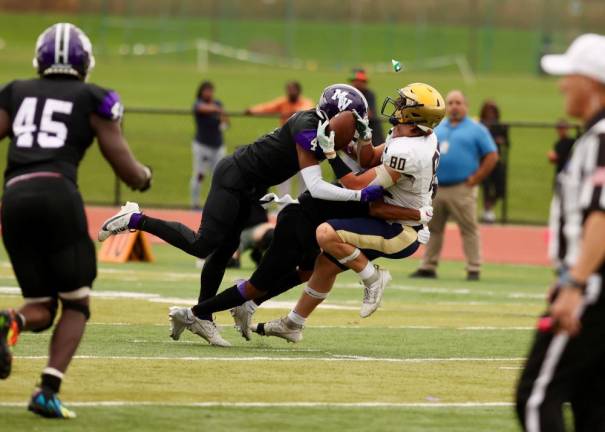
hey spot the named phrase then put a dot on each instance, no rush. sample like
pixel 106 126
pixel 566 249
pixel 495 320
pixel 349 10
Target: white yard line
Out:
pixel 103 404
pixel 171 276
pixel 345 327
pixel 335 358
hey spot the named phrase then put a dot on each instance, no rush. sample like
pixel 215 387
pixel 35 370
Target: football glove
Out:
pixel 426 214
pixel 326 143
pixel 363 126
pixel 424 235
pixel 371 193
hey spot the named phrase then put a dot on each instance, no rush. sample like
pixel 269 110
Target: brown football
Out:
pixel 343 125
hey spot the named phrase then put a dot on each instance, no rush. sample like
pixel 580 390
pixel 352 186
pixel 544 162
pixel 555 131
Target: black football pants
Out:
pixel 225 215
pixel 562 369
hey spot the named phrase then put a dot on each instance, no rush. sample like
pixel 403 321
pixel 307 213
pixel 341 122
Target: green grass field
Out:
pixel 171 80
pixel 438 356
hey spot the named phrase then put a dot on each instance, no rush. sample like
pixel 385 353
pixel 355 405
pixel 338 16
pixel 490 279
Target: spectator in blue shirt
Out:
pixel 468 155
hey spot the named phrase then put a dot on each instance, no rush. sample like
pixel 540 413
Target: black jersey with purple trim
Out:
pixel 272 158
pixel 50 122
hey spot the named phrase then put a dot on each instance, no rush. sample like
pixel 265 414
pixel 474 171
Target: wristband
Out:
pixel 566 280
pixel 340 168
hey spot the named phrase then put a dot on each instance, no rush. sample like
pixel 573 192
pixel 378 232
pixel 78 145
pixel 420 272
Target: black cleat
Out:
pixel 472 276
pixel 424 274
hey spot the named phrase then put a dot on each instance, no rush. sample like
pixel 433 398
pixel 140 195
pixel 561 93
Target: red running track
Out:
pixel 510 244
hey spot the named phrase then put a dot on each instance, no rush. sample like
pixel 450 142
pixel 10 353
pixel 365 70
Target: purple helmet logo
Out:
pixel 64 49
pixel 341 97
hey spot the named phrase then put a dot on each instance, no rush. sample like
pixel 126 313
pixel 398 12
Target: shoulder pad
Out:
pixel 107 103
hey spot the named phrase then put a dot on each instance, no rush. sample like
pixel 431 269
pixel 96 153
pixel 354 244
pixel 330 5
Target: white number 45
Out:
pixel 52 134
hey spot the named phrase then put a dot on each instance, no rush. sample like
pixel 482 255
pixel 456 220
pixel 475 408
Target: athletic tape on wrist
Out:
pixel 315 294
pixel 351 257
pixel 340 168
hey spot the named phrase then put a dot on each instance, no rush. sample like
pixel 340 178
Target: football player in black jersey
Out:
pixel 239 181
pixel 51 121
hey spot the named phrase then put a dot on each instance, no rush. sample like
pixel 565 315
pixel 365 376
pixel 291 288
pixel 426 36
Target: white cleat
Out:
pixel 207 329
pixel 243 320
pixel 372 295
pixel 118 223
pixel 282 328
pixel 180 318
pixel 183 318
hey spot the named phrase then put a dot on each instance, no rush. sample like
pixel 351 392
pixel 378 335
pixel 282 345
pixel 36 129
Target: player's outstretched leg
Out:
pixel 374 278
pixel 242 314
pixel 291 326
pixel 119 222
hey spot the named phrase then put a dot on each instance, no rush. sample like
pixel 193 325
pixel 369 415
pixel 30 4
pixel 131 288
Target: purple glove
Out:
pixel 371 193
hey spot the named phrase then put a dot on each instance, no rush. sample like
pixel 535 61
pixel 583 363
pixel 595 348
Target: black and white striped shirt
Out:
pixel 579 192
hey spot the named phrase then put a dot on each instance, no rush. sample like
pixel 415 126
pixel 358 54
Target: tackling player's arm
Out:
pixel 368 156
pixel 382 210
pixel 318 187
pixel 116 151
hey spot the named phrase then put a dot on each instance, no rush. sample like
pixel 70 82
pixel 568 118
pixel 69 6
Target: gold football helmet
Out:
pixel 418 104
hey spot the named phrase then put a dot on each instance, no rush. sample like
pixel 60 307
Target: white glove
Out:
pixel 426 214
pixel 362 124
pixel 272 198
pixel 326 143
pixel 424 235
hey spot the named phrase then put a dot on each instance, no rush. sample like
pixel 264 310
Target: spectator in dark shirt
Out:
pixel 208 147
pixel 359 80
pixel 561 152
pixel 494 185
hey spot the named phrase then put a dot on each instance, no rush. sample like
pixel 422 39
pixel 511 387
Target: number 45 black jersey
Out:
pixel 50 120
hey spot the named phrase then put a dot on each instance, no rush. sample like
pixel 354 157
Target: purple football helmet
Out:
pixel 341 97
pixel 64 49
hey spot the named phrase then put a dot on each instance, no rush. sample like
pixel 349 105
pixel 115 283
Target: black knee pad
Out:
pixel 52 308
pixel 78 307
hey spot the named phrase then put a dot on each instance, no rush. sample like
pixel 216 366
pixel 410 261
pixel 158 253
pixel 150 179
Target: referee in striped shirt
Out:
pixel 567 360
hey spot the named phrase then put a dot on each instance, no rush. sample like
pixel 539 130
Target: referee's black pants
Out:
pixel 225 215
pixel 562 369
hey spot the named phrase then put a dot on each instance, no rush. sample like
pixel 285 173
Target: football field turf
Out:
pixel 439 355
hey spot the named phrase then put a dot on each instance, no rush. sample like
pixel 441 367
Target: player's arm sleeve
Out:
pixel 321 189
pixel 485 142
pixel 317 186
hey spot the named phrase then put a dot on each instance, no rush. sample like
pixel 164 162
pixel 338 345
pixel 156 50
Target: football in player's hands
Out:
pixel 343 125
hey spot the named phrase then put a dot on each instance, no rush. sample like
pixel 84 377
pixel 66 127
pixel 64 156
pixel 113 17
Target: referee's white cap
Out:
pixel 585 56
